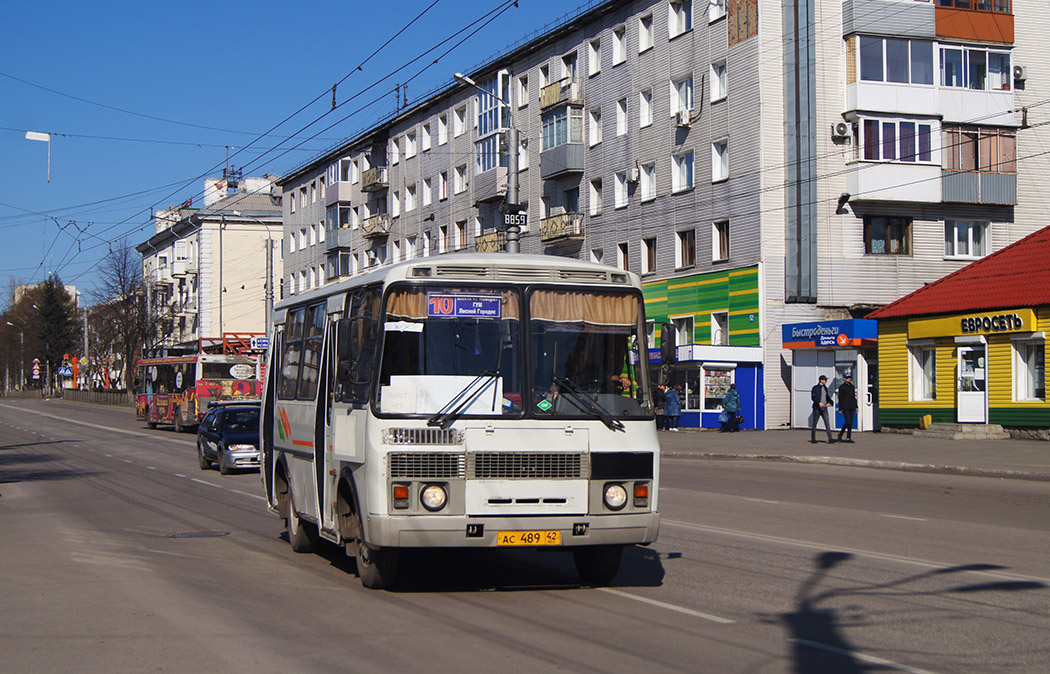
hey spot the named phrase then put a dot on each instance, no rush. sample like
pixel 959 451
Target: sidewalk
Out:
pixel 1016 459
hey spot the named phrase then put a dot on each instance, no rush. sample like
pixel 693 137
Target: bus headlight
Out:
pixel 615 496
pixel 433 497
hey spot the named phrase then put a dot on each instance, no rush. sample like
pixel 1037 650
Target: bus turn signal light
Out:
pixel 400 494
pixel 641 494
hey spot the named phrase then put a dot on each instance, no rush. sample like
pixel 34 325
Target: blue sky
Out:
pixel 142 98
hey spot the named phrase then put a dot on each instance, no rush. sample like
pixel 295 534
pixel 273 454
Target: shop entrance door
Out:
pixel 971 389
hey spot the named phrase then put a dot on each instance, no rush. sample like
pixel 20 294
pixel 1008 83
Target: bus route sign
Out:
pixel 463 306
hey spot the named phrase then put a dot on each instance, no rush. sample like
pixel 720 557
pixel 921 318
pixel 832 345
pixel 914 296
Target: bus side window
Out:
pixel 288 382
pixel 363 323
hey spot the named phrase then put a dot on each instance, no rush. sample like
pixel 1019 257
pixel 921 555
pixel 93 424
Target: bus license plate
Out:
pixel 542 537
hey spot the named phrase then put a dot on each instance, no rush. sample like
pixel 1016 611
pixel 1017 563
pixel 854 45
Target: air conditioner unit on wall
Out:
pixel 1020 73
pixel 840 130
pixel 681 118
pixel 632 175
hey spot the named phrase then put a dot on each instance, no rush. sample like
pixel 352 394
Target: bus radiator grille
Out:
pixel 426 465
pixel 526 465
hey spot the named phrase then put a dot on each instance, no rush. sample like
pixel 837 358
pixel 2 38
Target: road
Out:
pixel 119 555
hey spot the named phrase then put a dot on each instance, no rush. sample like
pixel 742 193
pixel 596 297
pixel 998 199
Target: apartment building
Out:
pixel 205 268
pixel 710 147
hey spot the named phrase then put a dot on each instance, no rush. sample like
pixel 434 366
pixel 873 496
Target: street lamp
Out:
pixel 510 202
pixel 21 357
pixel 269 267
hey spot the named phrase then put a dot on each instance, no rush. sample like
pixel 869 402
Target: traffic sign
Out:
pixel 260 343
pixel 65 372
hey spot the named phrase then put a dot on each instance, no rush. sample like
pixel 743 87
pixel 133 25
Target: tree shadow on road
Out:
pixel 18 465
pixel 816 631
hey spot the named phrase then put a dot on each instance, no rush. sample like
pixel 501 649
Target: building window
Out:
pixel 648 256
pixel 645 108
pixel 313 193
pixel 619 45
pixel 442 129
pixel 594 127
pixel 681 95
pixel 971 148
pixel 720 241
pixel 443 240
pixel 682 172
pixel 979 69
pixel 887 236
pixel 645 33
pixel 395 204
pixel 460 179
pixel 459 121
pixel 302 238
pixel 716 9
pixel 597 255
pixel 685 249
pixel 425 139
pixel 443 185
pixel 594 57
pixel 720 328
pixel 395 150
pixel 596 197
pixel 963 238
pixel 718 81
pixel 896 140
pixel 461 235
pixel 720 160
pixel 683 328
pixel 312 234
pixel 410 197
pixel 523 91
pixel 562 126
pixel 492 118
pixel 346 172
pixel 427 191
pixel 621 117
pixel 923 372
pixel 545 77
pixel 622 259
pixel 410 145
pixel 680 18
pixel 620 200
pixel 896 60
pixel 569 66
pixel 648 178
pixel 1029 369
pixel 411 245
pixel 426 244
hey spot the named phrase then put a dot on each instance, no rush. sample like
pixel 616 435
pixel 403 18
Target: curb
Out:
pixel 865 463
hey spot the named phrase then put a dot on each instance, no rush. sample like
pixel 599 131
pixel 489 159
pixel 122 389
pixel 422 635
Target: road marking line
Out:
pixel 64 420
pixel 860 656
pixel 899 559
pixel 125 460
pixel 179 475
pixel 670 607
pixel 232 491
pixel 761 500
pixel 902 517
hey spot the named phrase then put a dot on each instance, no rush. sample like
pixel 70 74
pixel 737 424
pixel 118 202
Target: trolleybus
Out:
pixel 177 389
pixel 464 401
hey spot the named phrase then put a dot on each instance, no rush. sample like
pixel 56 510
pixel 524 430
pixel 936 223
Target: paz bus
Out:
pixel 464 401
pixel 177 389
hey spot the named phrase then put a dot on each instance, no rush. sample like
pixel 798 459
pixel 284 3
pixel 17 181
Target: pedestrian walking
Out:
pixel 673 408
pixel 659 401
pixel 847 395
pixel 821 404
pixel 731 405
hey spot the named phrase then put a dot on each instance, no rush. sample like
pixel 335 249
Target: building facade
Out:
pixel 758 163
pixel 206 268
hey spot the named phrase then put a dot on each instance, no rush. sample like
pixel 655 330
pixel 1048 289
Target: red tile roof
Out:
pixel 1016 276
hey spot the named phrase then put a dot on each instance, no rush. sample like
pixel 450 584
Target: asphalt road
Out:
pixel 117 554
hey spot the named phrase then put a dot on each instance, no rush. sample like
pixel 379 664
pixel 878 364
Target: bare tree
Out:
pixel 126 314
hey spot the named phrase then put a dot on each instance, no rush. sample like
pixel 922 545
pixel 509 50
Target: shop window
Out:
pixel 716 383
pixel 1029 370
pixel 923 376
pixel 887 236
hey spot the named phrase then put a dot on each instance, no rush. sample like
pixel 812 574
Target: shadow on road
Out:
pixel 17 465
pixel 490 570
pixel 816 631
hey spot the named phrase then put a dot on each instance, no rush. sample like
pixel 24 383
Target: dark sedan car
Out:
pixel 229 435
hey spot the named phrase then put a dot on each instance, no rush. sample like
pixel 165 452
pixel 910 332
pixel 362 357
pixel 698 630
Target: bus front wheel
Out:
pixel 376 567
pixel 301 534
pixel 599 564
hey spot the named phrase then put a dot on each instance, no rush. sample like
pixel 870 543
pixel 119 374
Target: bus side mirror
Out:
pixel 668 351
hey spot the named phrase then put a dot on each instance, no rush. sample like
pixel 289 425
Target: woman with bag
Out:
pixel 731 408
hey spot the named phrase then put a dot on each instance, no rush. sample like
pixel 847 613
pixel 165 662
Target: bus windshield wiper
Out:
pixel 464 399
pixel 582 401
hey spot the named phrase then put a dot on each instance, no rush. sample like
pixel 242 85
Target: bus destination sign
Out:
pixel 463 306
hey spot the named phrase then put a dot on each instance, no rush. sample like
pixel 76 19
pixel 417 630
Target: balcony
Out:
pixel 568 91
pixel 338 191
pixel 986 21
pixel 375 179
pixel 162 275
pixel 337 238
pixel 491 185
pixel 493 242
pixel 894 181
pixel 975 187
pixel 376 227
pixel 561 228
pixel 187 308
pixel 561 160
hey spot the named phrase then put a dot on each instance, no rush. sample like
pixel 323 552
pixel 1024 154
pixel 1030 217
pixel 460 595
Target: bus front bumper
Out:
pixel 426 531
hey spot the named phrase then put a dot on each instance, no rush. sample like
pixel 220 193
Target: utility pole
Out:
pixel 269 281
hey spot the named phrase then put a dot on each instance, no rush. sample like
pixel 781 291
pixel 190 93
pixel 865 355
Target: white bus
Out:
pixel 464 401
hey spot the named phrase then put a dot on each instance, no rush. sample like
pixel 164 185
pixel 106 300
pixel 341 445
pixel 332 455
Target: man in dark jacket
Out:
pixel 847 395
pixel 821 404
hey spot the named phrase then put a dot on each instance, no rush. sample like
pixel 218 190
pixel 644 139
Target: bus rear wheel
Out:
pixel 599 564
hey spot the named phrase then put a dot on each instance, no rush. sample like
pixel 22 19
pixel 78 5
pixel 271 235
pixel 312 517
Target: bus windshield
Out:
pixel 584 354
pixel 451 346
pixel 450 351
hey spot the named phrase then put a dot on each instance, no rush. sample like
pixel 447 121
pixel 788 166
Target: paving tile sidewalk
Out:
pixel 1018 459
